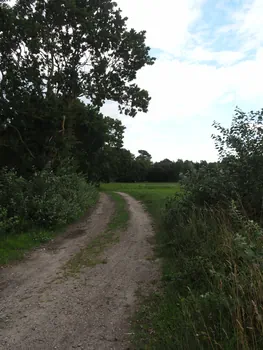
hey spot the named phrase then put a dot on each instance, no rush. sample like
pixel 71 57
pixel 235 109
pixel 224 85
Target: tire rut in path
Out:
pixel 89 312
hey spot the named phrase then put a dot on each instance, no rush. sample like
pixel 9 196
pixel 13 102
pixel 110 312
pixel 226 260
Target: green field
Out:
pixel 147 186
pixel 153 195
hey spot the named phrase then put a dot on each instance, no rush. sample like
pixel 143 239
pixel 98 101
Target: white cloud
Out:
pixel 191 88
pixel 180 89
pixel 167 22
pixel 221 57
pixel 246 22
pixel 186 98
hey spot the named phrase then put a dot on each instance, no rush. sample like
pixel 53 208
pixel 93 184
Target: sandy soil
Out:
pixel 39 310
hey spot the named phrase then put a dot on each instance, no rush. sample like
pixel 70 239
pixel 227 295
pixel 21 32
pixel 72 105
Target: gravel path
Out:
pixel 39 310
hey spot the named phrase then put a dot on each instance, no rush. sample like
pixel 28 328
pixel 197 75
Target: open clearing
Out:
pixel 44 307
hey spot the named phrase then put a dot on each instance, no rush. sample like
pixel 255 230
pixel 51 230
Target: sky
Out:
pixel 209 60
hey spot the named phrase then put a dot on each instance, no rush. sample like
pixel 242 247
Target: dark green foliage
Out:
pixel 46 200
pixel 120 165
pixel 238 176
pixel 210 185
pixel 59 199
pixel 53 55
pixel 241 150
pixel 166 171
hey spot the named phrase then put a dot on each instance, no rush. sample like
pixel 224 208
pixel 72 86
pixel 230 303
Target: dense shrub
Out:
pixel 210 186
pixel 13 201
pixel 213 277
pixel 7 223
pixel 212 244
pixel 239 174
pixel 45 200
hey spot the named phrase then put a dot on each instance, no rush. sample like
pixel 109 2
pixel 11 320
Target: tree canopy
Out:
pixel 52 54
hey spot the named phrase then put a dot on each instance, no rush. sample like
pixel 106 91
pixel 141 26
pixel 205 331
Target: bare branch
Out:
pixel 21 139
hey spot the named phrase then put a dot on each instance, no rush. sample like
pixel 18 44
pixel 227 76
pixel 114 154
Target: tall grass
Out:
pixel 212 283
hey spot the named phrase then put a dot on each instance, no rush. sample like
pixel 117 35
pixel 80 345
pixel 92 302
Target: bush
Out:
pixel 212 245
pixel 58 199
pixel 7 224
pixel 210 186
pixel 238 176
pixel 13 201
pixel 46 200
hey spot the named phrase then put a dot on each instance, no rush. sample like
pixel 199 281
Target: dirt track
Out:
pixel 91 311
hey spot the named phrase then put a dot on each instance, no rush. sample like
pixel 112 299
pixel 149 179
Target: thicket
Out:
pixel 213 248
pixel 46 200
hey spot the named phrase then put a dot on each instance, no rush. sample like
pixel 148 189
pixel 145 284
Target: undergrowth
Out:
pixel 33 210
pixel 212 284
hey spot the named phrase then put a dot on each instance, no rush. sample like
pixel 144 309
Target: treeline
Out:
pixel 60 61
pixel 123 166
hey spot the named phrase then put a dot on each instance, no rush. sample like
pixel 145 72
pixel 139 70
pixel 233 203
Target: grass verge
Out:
pixel 91 255
pixel 14 247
